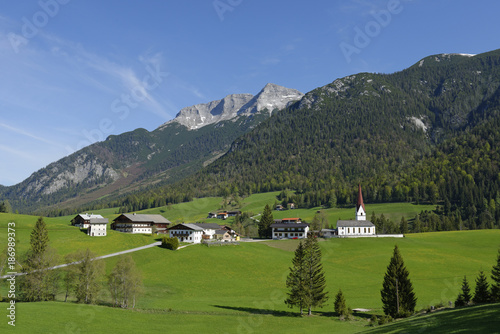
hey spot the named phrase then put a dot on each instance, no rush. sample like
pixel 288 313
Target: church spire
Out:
pixel 360 206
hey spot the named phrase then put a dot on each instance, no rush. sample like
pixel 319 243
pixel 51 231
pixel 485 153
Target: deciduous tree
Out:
pixel 88 277
pixel 125 282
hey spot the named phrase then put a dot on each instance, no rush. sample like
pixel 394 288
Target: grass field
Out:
pixel 240 289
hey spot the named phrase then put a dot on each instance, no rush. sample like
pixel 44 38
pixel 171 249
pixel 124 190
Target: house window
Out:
pixel 348 230
pixel 365 230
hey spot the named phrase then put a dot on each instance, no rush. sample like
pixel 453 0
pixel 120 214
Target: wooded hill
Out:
pixel 425 134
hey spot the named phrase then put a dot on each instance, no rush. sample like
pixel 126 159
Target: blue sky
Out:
pixel 73 72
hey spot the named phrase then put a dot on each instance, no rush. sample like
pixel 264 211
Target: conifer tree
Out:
pixel 398 298
pixel 495 276
pixel 265 223
pixel 340 305
pixel 315 294
pixel 306 280
pixel 404 226
pixel 296 279
pixel 481 293
pixel 39 284
pixel 464 297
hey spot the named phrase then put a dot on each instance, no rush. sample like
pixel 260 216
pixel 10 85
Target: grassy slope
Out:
pixel 220 288
pixel 477 319
pixel 241 288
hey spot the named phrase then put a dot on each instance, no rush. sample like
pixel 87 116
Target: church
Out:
pixel 360 226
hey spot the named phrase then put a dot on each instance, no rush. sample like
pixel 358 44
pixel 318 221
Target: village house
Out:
pixel 222 215
pixel 195 233
pixel 97 227
pixel 83 220
pixel 360 226
pixel 289 228
pixel 233 213
pixel 140 224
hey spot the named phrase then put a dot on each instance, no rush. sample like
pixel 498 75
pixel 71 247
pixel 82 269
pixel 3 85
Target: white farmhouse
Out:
pixel 289 228
pixel 195 233
pixel 97 227
pixel 83 219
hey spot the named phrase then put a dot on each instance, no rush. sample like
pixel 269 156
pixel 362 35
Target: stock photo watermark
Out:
pixel 363 36
pixel 223 6
pixel 123 105
pixel 11 275
pixel 31 26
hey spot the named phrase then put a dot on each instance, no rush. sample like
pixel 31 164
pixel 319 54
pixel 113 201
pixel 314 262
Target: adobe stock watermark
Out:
pixel 31 26
pixel 223 6
pixel 364 36
pixel 122 106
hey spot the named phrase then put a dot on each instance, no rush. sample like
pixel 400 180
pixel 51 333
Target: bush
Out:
pixel 385 319
pixel 373 320
pixel 170 243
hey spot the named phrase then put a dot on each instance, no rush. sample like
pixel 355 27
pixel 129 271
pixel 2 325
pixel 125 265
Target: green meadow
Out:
pixel 240 289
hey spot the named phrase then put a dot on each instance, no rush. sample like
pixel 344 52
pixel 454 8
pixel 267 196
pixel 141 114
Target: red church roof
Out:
pixel 360 200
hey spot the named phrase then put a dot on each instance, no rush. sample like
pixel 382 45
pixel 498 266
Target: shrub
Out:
pixel 373 320
pixel 170 243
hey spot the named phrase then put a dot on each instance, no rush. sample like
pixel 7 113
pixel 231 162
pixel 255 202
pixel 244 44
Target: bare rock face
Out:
pixel 199 115
pixel 271 97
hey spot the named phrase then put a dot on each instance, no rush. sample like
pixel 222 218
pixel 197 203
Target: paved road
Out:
pixel 100 257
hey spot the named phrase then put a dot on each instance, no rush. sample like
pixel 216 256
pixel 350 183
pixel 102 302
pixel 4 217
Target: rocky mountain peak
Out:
pixel 271 97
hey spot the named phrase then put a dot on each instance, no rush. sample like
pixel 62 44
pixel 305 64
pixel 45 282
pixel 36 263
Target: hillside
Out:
pixel 183 299
pixel 425 134
pixel 126 162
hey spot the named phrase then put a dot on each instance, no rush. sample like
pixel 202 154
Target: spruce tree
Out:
pixel 306 280
pixel 481 293
pixel 340 305
pixel 398 298
pixel 404 226
pixel 495 276
pixel 464 297
pixel 39 284
pixel 315 294
pixel 295 281
pixel 265 223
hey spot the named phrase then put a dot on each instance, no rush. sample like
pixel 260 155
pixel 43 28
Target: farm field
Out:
pixel 240 289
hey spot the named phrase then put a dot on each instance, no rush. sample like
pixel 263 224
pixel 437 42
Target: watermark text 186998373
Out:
pixel 11 280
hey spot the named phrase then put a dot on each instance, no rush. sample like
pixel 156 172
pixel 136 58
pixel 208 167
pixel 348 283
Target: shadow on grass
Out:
pixel 474 319
pixel 253 310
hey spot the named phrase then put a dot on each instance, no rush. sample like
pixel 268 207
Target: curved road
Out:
pixel 158 243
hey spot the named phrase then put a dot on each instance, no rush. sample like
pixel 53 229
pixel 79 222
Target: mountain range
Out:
pixel 137 159
pixel 383 130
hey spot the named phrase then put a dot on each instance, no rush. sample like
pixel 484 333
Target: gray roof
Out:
pixel 187 226
pixel 292 225
pixel 87 216
pixel 208 226
pixel 354 223
pixel 221 232
pixel 145 218
pixel 98 221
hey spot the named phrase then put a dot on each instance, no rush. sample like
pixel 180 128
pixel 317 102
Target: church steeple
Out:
pixel 360 206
